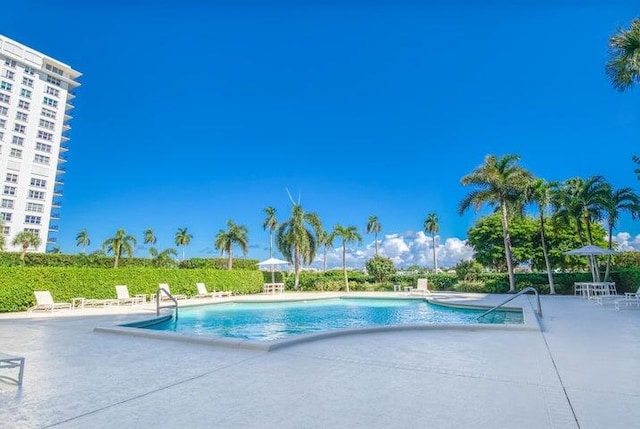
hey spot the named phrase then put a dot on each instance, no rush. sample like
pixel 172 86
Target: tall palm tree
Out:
pixel 183 238
pixel 164 258
pixel 82 239
pixel 270 223
pixel 296 239
pixel 120 244
pixel 539 193
pixel 26 239
pixel 623 67
pixel 235 235
pixel 374 227
pixel 431 226
pixel 325 240
pixel 349 234
pixel 501 183
pixel 618 200
pixel 149 237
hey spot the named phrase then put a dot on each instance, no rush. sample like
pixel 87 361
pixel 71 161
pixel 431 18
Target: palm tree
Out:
pixel 82 239
pixel 431 226
pixel 539 193
pixel 296 239
pixel 374 227
pixel 325 240
pixel 636 159
pixel 234 235
pixel 183 238
pixel 2 239
pixel 500 182
pixel 120 244
pixel 623 67
pixel 26 239
pixel 164 258
pixel 618 200
pixel 271 224
pixel 348 234
pixel 149 238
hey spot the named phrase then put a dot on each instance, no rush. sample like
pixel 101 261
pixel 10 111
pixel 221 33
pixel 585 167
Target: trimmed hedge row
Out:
pixel 18 283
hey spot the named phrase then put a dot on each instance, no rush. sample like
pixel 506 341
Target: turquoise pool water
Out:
pixel 272 321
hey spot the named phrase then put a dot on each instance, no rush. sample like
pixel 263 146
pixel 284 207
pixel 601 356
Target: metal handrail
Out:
pixel 171 297
pixel 522 292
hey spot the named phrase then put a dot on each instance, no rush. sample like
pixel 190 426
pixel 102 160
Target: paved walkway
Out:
pixel 581 371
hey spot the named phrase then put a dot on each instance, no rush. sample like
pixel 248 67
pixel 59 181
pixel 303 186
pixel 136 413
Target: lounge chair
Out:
pixel 165 286
pixel 122 294
pixel 421 288
pixel 204 293
pixel 44 301
pixel 629 299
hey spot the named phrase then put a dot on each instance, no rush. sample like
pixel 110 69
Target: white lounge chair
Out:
pixel 629 299
pixel 44 301
pixel 122 296
pixel 204 293
pixel 165 286
pixel 422 287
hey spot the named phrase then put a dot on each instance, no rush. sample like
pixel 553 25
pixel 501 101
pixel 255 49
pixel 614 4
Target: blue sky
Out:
pixel 191 113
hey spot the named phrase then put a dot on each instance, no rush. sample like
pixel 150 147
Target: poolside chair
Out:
pixel 122 296
pixel 204 293
pixel 629 299
pixel 165 286
pixel 421 288
pixel 44 301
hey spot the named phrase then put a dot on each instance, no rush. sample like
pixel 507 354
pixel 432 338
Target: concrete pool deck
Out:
pixel 580 371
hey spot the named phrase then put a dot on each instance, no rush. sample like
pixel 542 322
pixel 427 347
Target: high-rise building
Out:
pixel 36 93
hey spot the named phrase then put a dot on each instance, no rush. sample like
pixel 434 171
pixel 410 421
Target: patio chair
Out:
pixel 122 296
pixel 165 286
pixel 422 287
pixel 44 301
pixel 204 293
pixel 629 299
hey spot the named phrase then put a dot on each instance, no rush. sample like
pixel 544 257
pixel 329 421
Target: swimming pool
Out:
pixel 271 321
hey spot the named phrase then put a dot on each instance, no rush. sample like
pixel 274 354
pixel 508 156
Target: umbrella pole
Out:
pixel 273 275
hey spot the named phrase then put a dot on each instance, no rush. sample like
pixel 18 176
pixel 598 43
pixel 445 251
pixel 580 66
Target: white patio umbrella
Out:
pixel 272 262
pixel 591 251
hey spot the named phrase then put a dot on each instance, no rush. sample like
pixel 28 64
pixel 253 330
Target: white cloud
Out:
pixel 626 242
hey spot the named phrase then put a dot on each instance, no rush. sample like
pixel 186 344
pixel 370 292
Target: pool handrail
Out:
pixel 171 297
pixel 522 292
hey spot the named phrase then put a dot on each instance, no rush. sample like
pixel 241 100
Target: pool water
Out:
pixel 272 321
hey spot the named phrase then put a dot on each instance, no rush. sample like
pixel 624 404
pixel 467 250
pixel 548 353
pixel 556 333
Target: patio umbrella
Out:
pixel 272 262
pixel 591 251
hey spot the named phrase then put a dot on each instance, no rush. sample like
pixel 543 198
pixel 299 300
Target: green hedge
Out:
pixel 18 283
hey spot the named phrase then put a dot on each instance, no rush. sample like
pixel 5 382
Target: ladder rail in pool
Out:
pixel 522 292
pixel 171 297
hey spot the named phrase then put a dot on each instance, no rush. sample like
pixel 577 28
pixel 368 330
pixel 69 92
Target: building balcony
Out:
pixel 56 203
pixel 53 227
pixel 67 107
pixel 55 215
pixel 62 159
pixel 67 117
pixel 70 96
pixel 64 149
pixel 52 240
pixel 59 181
pixel 64 138
pixel 61 169
pixel 57 191
pixel 66 127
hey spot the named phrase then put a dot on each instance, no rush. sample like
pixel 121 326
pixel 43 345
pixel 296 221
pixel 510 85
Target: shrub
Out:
pixel 381 268
pixel 468 270
pixel 470 286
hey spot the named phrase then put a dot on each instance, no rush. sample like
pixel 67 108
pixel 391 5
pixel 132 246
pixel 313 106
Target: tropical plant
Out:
pixel 349 234
pixel 149 237
pixel 431 226
pixel 381 268
pixel 270 223
pixel 468 270
pixel 374 227
pixel 235 235
pixel 82 239
pixel 501 183
pixel 539 193
pixel 325 240
pixel 55 250
pixel 617 201
pixel 636 159
pixel 120 244
pixel 183 238
pixel 623 67
pixel 26 239
pixel 297 239
pixel 163 259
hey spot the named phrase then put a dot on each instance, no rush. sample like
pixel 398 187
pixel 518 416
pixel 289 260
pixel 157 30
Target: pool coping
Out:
pixel 530 323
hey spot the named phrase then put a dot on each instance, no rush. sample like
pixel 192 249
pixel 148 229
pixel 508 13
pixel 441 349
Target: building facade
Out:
pixel 36 94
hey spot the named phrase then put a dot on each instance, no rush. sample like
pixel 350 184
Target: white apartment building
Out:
pixel 36 93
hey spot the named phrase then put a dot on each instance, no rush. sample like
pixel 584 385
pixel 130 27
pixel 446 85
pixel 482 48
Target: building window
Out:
pixel 45 136
pixel 1 136
pixel 19 128
pixel 35 231
pixel 17 140
pixel 6 204
pixel 22 104
pixel 4 98
pixel 54 80
pixel 3 123
pixel 38 183
pixel 48 113
pixel 33 220
pixel 16 153
pixel 6 230
pixel 35 207
pixel 8 74
pixel 21 116
pixel 41 159
pixel 47 124
pixel 11 178
pixel 36 195
pixel 43 147
pixel 5 85
pixel 5 216
pixel 54 69
pixel 25 93
pixel 3 111
pixel 51 90
pixel 11 191
pixel 29 71
pixel 27 82
pixel 10 63
pixel 50 102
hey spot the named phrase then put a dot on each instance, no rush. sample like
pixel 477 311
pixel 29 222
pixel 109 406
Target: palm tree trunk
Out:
pixel 230 260
pixel 552 288
pixel 606 272
pixel 433 243
pixel 183 252
pixel 324 263
pixel 507 248
pixel 375 237
pixel 344 265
